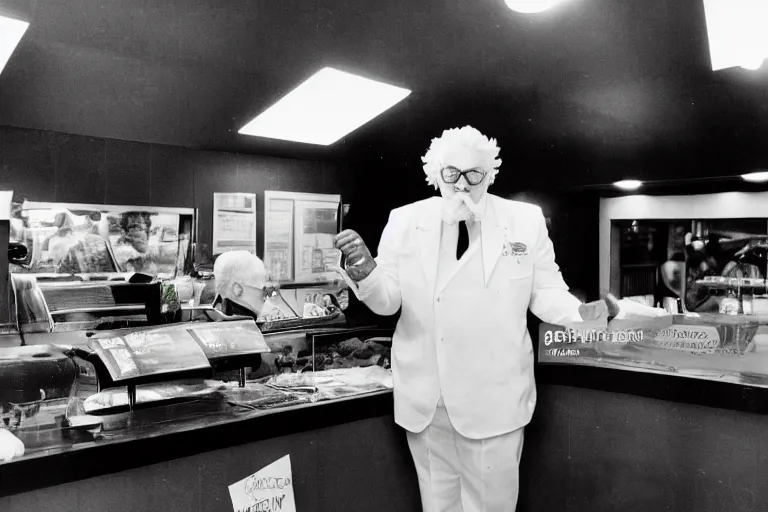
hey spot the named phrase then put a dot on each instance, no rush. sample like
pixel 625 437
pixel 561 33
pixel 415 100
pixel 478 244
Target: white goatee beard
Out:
pixel 459 207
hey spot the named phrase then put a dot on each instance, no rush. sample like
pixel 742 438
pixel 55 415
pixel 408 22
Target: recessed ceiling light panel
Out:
pixel 325 108
pixel 756 177
pixel 628 184
pixel 11 32
pixel 531 6
pixel 737 33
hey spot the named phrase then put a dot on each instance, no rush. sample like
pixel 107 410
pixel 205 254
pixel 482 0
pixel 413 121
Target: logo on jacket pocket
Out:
pixel 514 249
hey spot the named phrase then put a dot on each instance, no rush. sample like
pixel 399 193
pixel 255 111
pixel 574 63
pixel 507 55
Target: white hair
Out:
pixel 467 137
pixel 238 267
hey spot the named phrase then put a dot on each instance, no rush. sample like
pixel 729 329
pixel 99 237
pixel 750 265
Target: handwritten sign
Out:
pixel 267 490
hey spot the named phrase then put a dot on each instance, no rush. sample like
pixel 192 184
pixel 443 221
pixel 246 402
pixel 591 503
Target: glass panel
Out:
pixel 709 274
pixel 75 240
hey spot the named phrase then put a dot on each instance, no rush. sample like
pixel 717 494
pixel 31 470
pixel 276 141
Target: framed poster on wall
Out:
pixel 234 222
pixel 298 235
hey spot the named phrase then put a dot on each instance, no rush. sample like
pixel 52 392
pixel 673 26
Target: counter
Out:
pixel 601 439
pixel 347 454
pixel 606 439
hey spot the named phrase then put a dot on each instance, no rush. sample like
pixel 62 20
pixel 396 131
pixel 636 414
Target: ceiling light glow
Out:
pixel 737 33
pixel 325 108
pixel 11 32
pixel 531 6
pixel 628 184
pixel 756 177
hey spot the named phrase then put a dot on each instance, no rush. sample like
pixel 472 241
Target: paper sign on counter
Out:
pixel 268 490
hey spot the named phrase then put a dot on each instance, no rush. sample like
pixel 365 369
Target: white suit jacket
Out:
pixel 470 346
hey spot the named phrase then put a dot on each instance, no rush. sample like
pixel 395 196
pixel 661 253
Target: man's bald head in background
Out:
pixel 240 277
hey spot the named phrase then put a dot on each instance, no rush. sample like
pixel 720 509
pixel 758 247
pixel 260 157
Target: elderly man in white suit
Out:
pixel 463 269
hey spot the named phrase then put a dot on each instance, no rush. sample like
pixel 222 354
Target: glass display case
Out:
pixel 135 383
pixel 337 364
pixel 691 274
pixel 113 333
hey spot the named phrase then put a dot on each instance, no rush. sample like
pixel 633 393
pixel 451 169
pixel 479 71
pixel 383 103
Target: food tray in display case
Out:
pixel 338 364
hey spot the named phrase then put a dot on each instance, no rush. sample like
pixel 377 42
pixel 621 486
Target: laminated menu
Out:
pixel 229 338
pixel 149 353
pixel 175 349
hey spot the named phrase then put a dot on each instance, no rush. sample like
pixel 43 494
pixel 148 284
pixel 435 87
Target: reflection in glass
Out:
pixel 713 266
pixel 67 239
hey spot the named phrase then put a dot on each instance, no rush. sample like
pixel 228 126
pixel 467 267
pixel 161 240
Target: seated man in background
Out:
pixel 240 280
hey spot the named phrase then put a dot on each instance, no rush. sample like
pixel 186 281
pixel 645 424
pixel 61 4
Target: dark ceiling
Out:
pixel 594 90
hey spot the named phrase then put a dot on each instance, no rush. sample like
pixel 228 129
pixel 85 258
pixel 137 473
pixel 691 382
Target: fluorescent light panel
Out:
pixel 11 32
pixel 531 6
pixel 737 32
pixel 756 177
pixel 326 107
pixel 628 184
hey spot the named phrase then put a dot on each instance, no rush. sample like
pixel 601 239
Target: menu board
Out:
pixel 299 232
pixel 149 353
pixel 278 248
pixel 227 339
pixel 234 222
pixel 177 348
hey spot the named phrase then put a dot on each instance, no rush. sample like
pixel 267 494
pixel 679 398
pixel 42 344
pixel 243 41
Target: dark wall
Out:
pixel 49 166
pixel 589 450
pixel 574 232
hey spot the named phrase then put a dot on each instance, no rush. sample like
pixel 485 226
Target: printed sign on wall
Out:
pixel 268 490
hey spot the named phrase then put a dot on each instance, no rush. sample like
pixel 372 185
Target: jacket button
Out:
pixel 438 299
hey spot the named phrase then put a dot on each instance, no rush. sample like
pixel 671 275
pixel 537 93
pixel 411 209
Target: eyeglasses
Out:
pixel 452 175
pixel 263 289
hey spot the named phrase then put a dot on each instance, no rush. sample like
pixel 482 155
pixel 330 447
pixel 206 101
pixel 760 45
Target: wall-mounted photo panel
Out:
pixel 298 236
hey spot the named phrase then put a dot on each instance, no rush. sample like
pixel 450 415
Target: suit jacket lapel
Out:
pixel 429 228
pixel 493 231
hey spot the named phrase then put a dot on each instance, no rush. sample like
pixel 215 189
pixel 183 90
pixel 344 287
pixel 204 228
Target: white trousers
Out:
pixel 457 474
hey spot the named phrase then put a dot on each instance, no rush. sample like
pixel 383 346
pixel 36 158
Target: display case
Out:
pixel 110 335
pixel 697 267
pixel 131 383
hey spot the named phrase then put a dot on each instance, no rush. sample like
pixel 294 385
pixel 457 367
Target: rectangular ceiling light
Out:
pixel 326 107
pixel 737 33
pixel 11 32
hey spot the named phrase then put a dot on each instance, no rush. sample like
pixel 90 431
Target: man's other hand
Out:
pixel 610 307
pixel 600 310
pixel 359 262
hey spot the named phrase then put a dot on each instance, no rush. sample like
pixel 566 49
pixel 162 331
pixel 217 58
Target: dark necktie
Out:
pixel 463 244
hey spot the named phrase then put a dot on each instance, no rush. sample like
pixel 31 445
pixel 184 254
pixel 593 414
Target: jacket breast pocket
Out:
pixel 513 268
pixel 521 273
pixel 512 278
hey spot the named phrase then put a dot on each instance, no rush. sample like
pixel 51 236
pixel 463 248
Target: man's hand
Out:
pixel 359 263
pixel 610 307
pixel 605 309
